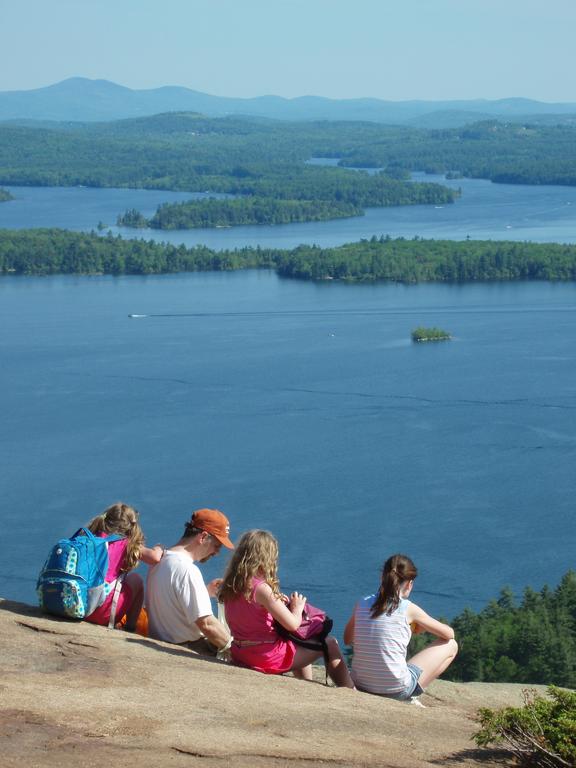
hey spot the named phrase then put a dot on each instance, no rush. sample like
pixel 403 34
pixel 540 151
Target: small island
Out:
pixel 430 334
pixel 5 196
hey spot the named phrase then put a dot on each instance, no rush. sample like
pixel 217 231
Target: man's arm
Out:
pixel 214 631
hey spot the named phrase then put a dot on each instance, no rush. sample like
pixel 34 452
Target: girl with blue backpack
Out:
pixel 88 575
pixel 126 590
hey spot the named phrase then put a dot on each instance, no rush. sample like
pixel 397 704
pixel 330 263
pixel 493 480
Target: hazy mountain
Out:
pixel 81 99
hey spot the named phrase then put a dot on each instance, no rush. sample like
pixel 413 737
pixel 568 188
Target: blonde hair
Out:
pixel 256 554
pixel 123 520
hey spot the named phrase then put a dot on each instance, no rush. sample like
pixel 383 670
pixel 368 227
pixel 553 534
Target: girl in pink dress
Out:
pixel 123 556
pixel 252 599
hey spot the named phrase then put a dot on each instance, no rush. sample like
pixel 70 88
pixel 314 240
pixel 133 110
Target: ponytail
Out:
pixel 121 519
pixel 397 570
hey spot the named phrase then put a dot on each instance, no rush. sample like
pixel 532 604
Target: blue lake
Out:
pixel 299 407
pixel 303 408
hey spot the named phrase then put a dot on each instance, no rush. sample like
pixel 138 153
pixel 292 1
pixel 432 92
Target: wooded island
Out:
pixel 430 334
pixel 56 251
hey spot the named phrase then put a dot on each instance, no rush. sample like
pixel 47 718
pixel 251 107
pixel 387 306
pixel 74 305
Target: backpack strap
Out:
pixel 87 532
pixel 115 598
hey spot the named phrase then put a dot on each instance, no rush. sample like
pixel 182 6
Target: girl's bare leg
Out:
pixel 302 664
pixel 434 659
pixel 337 669
pixel 304 674
pixel 134 581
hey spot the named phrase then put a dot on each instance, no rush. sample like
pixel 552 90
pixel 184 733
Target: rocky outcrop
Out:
pixel 74 694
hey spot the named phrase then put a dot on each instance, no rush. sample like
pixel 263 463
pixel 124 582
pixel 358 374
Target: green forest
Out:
pixel 232 213
pixel 502 152
pixel 192 153
pixel 531 642
pixel 58 251
pixel 187 151
pixel 54 251
pixel 266 161
pixel 312 194
pixel 417 261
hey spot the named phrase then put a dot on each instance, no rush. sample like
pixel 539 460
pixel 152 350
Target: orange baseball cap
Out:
pixel 213 522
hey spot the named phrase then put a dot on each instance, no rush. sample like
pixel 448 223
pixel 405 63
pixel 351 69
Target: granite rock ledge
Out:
pixel 76 694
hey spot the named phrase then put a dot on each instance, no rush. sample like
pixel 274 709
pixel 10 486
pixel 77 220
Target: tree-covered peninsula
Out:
pixel 533 641
pixel 54 251
pixel 417 261
pixel 308 194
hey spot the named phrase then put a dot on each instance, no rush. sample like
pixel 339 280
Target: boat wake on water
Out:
pixel 367 312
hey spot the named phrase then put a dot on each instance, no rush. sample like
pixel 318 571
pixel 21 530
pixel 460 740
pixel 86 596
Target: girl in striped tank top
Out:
pixel 380 630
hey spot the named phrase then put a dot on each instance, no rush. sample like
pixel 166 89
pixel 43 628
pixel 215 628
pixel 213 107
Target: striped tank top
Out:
pixel 379 662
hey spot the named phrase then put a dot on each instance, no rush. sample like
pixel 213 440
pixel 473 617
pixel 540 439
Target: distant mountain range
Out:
pixel 83 100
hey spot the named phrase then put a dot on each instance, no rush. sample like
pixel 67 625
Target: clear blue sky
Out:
pixel 388 49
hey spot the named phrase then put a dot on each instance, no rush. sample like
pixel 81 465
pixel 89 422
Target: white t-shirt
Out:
pixel 176 597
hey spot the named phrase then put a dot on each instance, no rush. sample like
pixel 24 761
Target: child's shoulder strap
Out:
pixel 87 532
pixel 255 584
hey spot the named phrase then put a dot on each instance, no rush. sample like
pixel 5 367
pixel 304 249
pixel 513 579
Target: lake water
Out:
pixel 299 407
pixel 485 211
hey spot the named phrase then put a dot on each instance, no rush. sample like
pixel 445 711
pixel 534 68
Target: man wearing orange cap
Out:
pixel 178 600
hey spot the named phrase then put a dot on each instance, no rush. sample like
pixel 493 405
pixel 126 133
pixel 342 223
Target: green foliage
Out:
pixel 429 334
pixel 132 218
pixel 415 261
pixel 507 153
pixel 267 159
pixel 189 152
pixel 53 251
pixel 534 642
pixel 246 210
pixel 541 733
pixel 5 195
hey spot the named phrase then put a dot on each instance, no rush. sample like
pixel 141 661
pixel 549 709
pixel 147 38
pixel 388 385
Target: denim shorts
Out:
pixel 413 688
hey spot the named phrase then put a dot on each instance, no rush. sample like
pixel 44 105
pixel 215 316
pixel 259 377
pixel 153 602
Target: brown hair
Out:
pixel 123 520
pixel 190 531
pixel 397 570
pixel 256 554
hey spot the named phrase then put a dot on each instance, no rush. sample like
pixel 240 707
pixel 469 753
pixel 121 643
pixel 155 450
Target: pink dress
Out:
pixel 116 552
pixel 250 621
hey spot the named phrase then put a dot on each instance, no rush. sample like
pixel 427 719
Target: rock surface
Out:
pixel 74 694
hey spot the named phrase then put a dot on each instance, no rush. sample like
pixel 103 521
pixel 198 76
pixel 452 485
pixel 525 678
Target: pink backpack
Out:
pixel 312 632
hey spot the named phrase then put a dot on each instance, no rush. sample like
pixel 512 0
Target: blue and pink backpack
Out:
pixel 72 582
